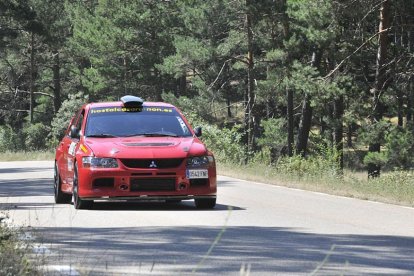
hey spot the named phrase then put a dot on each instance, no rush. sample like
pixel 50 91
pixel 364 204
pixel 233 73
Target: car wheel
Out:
pixel 60 197
pixel 205 203
pixel 77 201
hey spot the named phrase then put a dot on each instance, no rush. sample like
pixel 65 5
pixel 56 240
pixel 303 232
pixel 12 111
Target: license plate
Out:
pixel 195 174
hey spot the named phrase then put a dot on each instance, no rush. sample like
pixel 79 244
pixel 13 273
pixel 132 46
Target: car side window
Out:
pixel 78 119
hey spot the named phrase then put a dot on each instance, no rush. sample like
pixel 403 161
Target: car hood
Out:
pixel 146 147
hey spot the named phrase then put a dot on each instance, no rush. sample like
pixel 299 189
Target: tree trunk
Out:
pixel 400 107
pixel 251 145
pixel 349 135
pixel 290 125
pixel 182 86
pixel 32 77
pixel 306 116
pixel 374 170
pixel 289 91
pixel 304 126
pixel 56 81
pixel 228 103
pixel 410 44
pixel 410 100
pixel 339 130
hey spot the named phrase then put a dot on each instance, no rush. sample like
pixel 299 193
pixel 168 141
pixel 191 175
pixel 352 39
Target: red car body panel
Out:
pixel 117 183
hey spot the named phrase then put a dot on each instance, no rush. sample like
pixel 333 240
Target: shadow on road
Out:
pixel 186 205
pixel 23 170
pixel 26 187
pixel 268 250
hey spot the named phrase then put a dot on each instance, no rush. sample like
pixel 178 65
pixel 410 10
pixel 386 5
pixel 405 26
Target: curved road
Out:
pixel 258 228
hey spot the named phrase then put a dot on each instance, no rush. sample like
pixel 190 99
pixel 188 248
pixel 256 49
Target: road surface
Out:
pixel 263 229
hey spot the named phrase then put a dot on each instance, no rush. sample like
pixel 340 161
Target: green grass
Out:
pixel 392 187
pixel 27 156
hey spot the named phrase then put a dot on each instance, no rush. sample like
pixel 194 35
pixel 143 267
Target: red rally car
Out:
pixel 133 150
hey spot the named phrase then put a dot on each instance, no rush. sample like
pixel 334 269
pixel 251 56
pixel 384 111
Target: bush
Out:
pixel 225 143
pixel 400 148
pixel 313 167
pixel 61 120
pixel 10 140
pixel 375 158
pixel 274 137
pixel 35 136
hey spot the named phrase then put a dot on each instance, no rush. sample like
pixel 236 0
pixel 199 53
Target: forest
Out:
pixel 269 80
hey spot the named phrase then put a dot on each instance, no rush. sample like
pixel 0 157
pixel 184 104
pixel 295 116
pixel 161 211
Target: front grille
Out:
pixel 141 174
pixel 152 184
pixel 152 163
pixel 103 182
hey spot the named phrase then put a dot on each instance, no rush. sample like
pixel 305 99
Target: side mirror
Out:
pixel 198 132
pixel 74 132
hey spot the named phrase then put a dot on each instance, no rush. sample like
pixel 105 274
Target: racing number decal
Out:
pixel 71 152
pixel 72 147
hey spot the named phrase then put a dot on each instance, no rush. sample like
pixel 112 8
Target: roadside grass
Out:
pixel 395 187
pixel 15 254
pixel 26 155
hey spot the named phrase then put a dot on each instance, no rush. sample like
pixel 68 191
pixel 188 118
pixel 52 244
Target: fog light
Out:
pixel 123 187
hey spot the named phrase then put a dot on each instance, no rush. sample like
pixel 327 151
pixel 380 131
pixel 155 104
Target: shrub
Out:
pixel 10 140
pixel 65 113
pixel 225 143
pixel 35 136
pixel 375 158
pixel 400 148
pixel 312 167
pixel 274 137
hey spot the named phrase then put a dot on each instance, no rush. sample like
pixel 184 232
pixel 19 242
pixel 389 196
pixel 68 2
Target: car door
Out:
pixel 70 147
pixel 62 150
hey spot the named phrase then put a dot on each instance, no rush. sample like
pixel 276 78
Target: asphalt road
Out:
pixel 266 229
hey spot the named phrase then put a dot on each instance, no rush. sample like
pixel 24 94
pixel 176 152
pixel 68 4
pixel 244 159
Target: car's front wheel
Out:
pixel 205 203
pixel 77 201
pixel 60 197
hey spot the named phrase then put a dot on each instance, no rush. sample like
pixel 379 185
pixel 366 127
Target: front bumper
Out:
pixel 148 198
pixel 125 183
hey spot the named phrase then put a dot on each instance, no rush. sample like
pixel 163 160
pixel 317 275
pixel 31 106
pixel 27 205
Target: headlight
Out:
pixel 200 161
pixel 95 162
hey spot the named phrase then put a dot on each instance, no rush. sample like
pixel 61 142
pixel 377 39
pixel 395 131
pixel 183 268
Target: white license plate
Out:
pixel 194 174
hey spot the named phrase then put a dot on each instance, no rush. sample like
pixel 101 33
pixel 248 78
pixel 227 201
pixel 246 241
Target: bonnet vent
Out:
pixel 148 144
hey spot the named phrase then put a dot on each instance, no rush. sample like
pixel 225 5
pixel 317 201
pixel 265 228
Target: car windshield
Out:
pixel 106 122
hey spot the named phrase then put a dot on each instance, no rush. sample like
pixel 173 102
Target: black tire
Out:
pixel 77 201
pixel 173 201
pixel 205 203
pixel 60 197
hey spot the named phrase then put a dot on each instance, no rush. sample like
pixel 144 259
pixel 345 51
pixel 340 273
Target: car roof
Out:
pixel 109 104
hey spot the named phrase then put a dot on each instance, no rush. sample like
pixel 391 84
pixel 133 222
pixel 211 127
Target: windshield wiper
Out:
pixel 102 135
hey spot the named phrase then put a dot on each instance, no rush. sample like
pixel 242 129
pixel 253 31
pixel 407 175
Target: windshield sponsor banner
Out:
pixel 131 109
